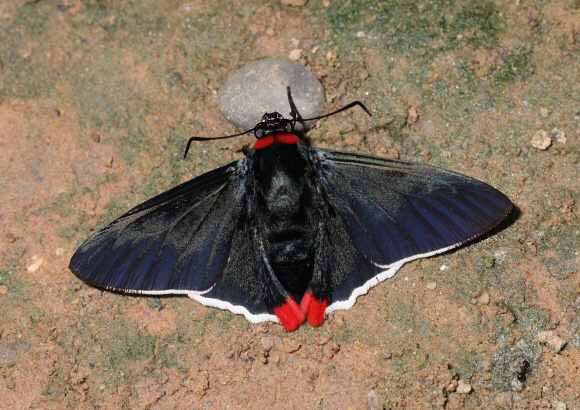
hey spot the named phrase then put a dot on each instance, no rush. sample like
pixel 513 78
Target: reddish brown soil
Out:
pixel 92 123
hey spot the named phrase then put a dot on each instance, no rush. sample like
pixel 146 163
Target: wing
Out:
pixel 396 211
pixel 243 288
pixel 176 242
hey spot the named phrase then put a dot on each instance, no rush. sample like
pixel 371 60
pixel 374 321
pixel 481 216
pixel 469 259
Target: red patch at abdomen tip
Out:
pixel 313 308
pixel 290 315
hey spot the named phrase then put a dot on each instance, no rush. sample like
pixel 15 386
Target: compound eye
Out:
pixel 289 127
pixel 259 133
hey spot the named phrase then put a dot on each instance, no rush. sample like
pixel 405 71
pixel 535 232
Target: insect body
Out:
pixel 289 233
pixel 525 368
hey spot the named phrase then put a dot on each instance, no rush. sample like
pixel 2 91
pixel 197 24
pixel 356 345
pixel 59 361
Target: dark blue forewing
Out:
pixel 176 242
pixel 397 211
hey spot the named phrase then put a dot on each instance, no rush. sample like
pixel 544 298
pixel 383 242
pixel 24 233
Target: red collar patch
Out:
pixel 281 138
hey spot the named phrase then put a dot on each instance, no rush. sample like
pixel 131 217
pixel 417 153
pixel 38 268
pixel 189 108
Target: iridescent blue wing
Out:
pixel 396 211
pixel 176 242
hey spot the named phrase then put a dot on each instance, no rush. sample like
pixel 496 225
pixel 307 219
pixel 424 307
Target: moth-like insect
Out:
pixel 289 233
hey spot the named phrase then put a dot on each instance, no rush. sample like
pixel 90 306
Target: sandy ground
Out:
pixel 93 120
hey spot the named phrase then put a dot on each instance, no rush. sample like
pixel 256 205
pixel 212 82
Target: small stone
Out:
pixel 338 321
pixel 291 345
pixel 509 318
pixel 558 405
pixel 547 389
pixel 294 3
pixel 331 56
pixel 373 401
pixel 175 76
pixel 552 340
pixel 452 386
pixel 483 299
pixel 544 112
pixel 486 364
pixel 541 140
pixel 295 54
pixel 463 388
pixel 36 263
pixel 431 286
pixel 489 262
pixel 412 115
pixel 260 87
pixel 109 161
pixel 267 343
pixel 431 78
pixel 558 136
pixel 3 290
pixel 335 347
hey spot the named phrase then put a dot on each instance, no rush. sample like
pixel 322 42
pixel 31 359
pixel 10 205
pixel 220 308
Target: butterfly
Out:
pixel 289 233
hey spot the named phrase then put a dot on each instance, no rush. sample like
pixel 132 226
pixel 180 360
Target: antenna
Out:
pixel 272 123
pixel 212 138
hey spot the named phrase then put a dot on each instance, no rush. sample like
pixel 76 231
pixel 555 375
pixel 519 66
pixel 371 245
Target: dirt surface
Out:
pixel 94 119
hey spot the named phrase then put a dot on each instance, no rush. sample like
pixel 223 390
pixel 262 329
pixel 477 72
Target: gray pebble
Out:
pixel 175 76
pixel 158 303
pixel 267 343
pixel 558 136
pixel 373 400
pixel 260 87
pixel 11 350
